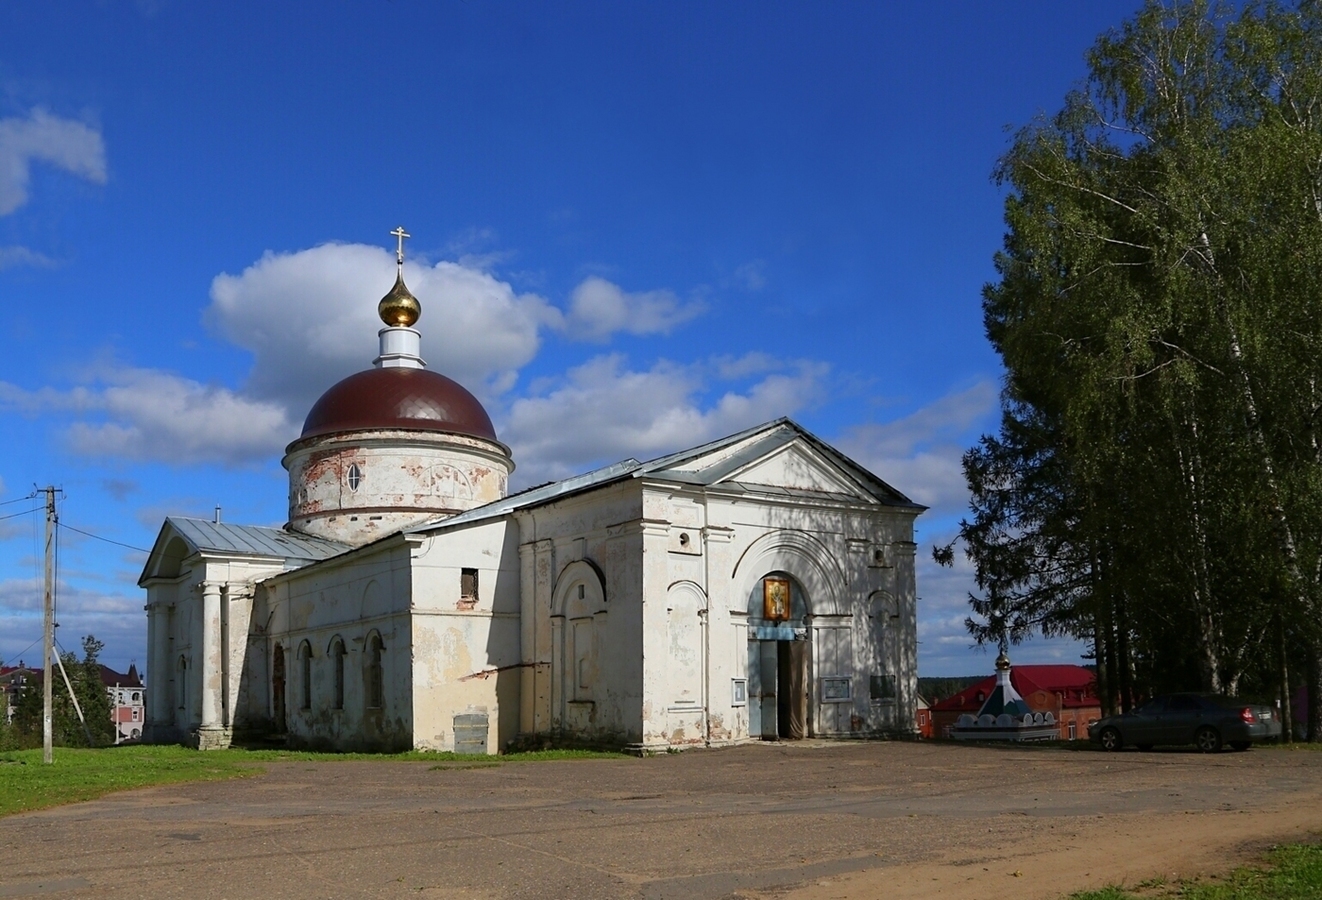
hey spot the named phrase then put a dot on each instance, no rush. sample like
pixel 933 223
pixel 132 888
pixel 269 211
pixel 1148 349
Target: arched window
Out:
pixel 376 688
pixel 337 659
pixel 305 657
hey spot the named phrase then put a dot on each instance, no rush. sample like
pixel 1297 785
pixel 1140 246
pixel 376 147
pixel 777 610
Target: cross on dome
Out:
pixel 399 308
pixel 400 234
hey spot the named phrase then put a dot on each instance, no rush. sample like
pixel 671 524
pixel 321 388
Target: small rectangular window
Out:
pixel 468 584
pixel 882 687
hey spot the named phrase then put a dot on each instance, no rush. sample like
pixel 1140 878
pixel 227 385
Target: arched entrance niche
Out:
pixel 778 658
pixel 883 648
pixel 784 661
pixel 579 600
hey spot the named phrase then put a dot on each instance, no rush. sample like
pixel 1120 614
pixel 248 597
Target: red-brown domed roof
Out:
pixel 398 397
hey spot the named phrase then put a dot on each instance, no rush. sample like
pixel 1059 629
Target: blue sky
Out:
pixel 637 226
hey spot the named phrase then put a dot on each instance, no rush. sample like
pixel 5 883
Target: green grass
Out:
pixel 76 775
pixel 1289 873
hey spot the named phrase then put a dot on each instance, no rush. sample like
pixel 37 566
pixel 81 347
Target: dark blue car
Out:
pixel 1208 721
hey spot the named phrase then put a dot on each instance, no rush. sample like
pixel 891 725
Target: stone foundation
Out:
pixel 213 738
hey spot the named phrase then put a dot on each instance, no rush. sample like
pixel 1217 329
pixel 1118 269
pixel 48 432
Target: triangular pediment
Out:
pixel 182 538
pixel 780 456
pixel 796 467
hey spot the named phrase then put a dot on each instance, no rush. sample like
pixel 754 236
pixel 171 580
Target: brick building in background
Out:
pixel 12 680
pixel 126 692
pixel 128 709
pixel 1068 692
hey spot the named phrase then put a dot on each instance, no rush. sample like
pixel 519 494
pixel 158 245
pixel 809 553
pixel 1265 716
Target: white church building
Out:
pixel 760 586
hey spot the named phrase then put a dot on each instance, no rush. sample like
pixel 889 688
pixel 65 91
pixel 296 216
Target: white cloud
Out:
pixel 920 453
pixel 116 619
pixel 751 276
pixel 309 319
pixel 603 412
pixel 41 137
pixel 599 308
pixel 23 256
pixel 732 368
pixel 146 414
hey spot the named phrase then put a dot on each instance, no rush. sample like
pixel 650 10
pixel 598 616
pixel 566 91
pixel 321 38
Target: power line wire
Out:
pixel 26 512
pixel 99 538
pixel 17 500
pixel 27 648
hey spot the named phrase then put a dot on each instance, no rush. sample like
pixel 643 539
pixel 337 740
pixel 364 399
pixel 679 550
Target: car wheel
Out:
pixel 1110 739
pixel 1240 746
pixel 1144 747
pixel 1207 739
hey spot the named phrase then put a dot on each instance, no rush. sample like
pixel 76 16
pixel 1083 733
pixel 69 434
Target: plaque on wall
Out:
pixel 837 690
pixel 776 599
pixel 738 691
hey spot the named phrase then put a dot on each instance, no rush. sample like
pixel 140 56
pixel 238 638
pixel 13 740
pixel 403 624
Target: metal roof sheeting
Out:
pixel 765 439
pixel 253 540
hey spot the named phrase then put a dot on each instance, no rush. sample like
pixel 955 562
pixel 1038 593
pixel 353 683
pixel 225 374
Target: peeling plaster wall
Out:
pixel 351 598
pixel 621 615
pixel 581 657
pixel 466 650
pixel 680 564
pixel 401 478
pixel 855 563
pixel 705 553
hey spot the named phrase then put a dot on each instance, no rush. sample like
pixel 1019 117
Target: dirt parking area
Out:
pixel 812 820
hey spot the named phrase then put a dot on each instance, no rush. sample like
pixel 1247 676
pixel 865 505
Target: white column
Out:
pixel 543 654
pixel 153 681
pixel 655 628
pixel 527 639
pixel 720 633
pixel 211 670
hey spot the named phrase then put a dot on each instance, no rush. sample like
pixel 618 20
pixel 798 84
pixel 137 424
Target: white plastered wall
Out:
pixel 354 599
pixel 466 651
pixel 581 652
pixel 854 561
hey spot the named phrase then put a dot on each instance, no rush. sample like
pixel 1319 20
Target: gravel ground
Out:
pixel 818 819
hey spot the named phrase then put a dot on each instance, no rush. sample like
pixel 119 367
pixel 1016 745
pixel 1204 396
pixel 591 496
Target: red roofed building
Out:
pixel 128 709
pixel 1067 692
pixel 12 680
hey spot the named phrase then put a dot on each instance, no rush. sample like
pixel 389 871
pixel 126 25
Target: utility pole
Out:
pixel 48 635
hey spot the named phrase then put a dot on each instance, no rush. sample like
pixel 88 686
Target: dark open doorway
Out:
pixel 791 696
pixel 278 690
pixel 781 689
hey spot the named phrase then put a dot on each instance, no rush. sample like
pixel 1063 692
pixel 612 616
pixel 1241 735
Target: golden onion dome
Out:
pixel 399 307
pixel 1002 662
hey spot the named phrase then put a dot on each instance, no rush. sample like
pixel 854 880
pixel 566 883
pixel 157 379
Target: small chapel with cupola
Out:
pixel 760 586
